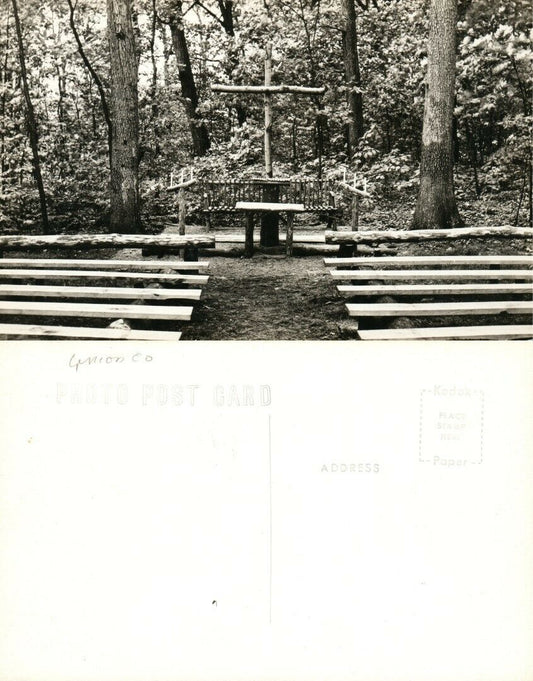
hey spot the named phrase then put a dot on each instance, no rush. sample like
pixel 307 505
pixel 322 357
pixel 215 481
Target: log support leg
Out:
pixel 249 236
pixel 346 250
pixel 190 253
pixel 290 233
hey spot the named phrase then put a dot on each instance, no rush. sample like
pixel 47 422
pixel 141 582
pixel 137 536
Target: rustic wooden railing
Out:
pixel 223 195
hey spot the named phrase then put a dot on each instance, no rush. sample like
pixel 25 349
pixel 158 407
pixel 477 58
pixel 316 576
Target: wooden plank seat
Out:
pixel 50 263
pixel 99 292
pixel 36 331
pixel 175 277
pixel 155 294
pixel 422 260
pixel 479 286
pixel 99 310
pixel 433 289
pixel 485 307
pixel 449 274
pixel 506 332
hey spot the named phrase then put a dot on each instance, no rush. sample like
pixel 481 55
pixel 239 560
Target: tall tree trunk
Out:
pixel 32 124
pixel 3 90
pixel 62 91
pixel 125 208
pixel 166 50
pixel 200 136
pixel 226 12
pixel 436 206
pixel 94 76
pixel 352 74
pixel 471 140
pixel 526 105
pixel 228 23
pixel 154 107
pixel 153 81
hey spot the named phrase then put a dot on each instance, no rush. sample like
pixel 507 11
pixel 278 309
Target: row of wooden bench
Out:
pixel 149 294
pixel 492 286
pixel 498 284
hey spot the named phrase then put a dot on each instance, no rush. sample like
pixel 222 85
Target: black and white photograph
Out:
pixel 266 170
pixel 225 226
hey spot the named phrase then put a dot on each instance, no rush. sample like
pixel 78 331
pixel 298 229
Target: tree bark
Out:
pixel 125 204
pixel 31 122
pixel 436 206
pixel 352 75
pixel 199 134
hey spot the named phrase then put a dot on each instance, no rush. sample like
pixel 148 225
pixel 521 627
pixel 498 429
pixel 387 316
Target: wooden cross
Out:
pixel 267 90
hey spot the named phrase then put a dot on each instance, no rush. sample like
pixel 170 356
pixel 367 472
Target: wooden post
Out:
pixel 268 111
pixel 350 250
pixel 355 213
pixel 181 186
pixel 182 208
pixel 249 236
pixel 345 250
pixel 290 229
pixel 269 221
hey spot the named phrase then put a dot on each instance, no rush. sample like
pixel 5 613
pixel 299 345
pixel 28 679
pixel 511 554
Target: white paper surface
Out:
pixel 227 511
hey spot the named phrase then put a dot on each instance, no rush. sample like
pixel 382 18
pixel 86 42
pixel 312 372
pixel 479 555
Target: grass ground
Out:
pixel 271 297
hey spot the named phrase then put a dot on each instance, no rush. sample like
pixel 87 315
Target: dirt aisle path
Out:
pixel 267 297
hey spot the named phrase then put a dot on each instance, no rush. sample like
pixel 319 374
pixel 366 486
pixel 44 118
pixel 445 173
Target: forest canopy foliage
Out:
pixel 225 42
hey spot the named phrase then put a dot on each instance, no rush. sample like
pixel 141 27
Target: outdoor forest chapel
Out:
pixel 265 170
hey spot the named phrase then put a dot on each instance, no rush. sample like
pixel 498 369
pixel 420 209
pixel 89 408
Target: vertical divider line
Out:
pixel 270 517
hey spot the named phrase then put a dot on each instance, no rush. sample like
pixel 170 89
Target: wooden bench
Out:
pixel 480 286
pixel 149 292
pixel 506 332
